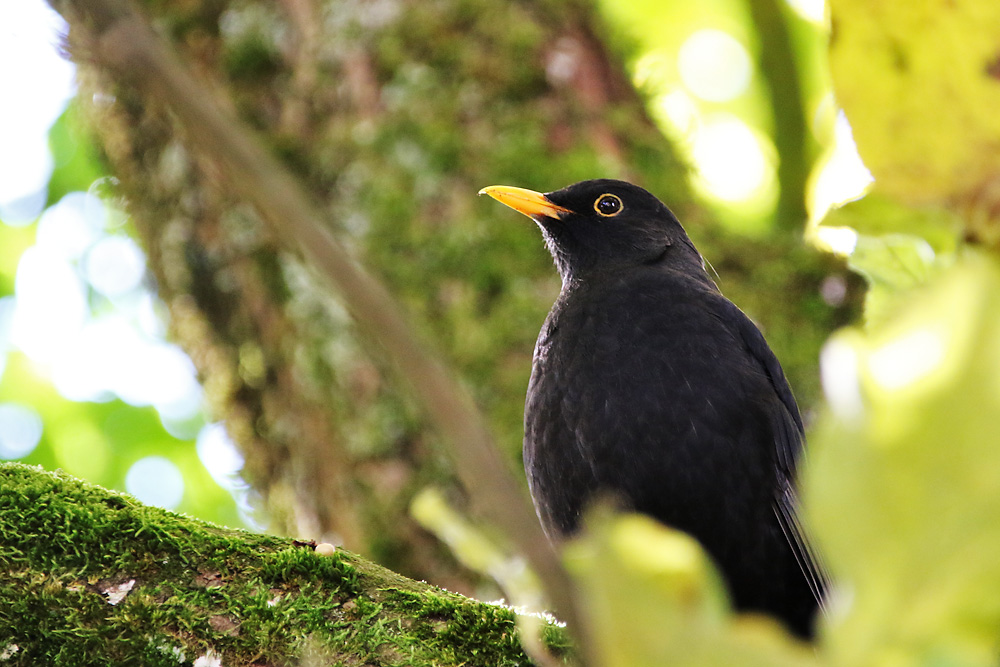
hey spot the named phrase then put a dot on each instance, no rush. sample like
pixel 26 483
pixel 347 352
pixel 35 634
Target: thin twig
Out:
pixel 782 77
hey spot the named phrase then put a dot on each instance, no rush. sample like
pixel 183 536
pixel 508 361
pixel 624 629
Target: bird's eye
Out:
pixel 608 205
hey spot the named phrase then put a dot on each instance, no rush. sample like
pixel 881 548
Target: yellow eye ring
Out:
pixel 608 205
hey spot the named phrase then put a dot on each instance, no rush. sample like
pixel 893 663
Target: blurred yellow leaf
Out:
pixel 655 599
pixel 920 83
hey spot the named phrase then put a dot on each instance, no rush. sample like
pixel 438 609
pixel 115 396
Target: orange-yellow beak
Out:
pixel 528 202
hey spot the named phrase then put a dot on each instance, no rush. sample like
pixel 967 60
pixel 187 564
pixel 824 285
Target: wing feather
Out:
pixel 789 439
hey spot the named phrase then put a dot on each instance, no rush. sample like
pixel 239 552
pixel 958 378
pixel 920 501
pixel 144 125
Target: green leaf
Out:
pixel 654 599
pixel 897 261
pixel 876 214
pixel 892 264
pixel 898 247
pixel 902 482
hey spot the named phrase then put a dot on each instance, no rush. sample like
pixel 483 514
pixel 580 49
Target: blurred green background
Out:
pixel 88 381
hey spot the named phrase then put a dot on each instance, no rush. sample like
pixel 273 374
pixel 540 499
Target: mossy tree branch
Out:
pixel 92 577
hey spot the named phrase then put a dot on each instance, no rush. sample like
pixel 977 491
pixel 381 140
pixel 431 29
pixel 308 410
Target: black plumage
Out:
pixel 650 386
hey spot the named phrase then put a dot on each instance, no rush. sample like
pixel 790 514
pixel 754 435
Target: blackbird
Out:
pixel 649 386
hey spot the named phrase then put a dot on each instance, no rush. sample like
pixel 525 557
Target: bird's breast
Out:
pixel 641 392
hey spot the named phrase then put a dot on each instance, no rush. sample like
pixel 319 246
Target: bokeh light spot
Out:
pixel 811 10
pixel 677 110
pixel 111 357
pixel 71 225
pixel 714 65
pixel 838 240
pixel 220 457
pixel 730 158
pixel 34 96
pixel 907 359
pixel 115 266
pixel 841 381
pixel 155 480
pixel 51 304
pixel 20 430
pixel 841 175
pixel 8 304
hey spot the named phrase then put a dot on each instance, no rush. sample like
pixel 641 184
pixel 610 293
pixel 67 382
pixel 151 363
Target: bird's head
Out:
pixel 603 225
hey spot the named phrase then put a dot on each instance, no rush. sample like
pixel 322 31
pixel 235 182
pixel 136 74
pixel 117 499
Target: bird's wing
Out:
pixel 786 512
pixel 789 433
pixel 788 436
pixel 754 340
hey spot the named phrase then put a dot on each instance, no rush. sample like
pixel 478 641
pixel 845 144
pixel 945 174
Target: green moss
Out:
pixel 187 588
pixel 292 564
pixel 251 58
pixel 451 628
